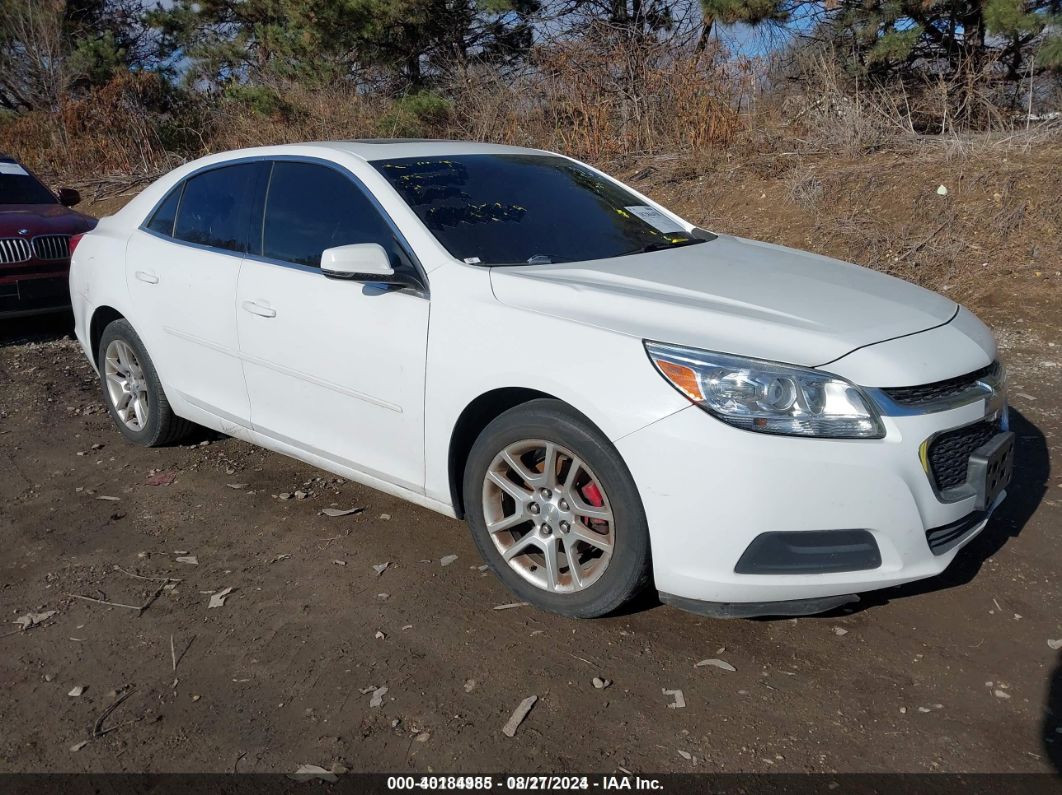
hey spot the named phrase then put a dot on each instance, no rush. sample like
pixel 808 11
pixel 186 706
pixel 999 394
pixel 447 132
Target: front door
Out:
pixel 334 368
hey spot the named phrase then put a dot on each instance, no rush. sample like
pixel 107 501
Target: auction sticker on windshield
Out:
pixel 655 219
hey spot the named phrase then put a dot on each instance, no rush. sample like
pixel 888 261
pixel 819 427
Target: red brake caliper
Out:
pixel 592 494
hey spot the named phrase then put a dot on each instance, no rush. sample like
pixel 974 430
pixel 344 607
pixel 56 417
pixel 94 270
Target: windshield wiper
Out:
pixel 662 246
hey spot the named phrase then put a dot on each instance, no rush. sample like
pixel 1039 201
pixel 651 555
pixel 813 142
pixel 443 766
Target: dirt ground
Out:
pixel 954 674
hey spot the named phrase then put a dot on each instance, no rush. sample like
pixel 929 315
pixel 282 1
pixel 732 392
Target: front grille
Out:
pixel 14 249
pixel 949 454
pixel 51 247
pixel 940 390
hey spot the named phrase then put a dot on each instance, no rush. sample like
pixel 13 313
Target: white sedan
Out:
pixel 610 395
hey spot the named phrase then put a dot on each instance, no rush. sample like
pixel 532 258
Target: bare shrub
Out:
pixel 117 128
pixel 803 188
pixel 290 112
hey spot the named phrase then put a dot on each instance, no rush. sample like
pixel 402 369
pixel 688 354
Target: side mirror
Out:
pixel 362 262
pixel 68 197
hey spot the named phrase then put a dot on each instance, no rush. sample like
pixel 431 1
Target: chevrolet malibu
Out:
pixel 611 396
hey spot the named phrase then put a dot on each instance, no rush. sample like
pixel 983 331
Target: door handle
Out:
pixel 147 276
pixel 257 309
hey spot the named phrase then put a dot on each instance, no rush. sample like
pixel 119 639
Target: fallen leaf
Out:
pixel 840 631
pixel 1055 644
pixel 161 479
pixel 717 664
pixel 78 746
pixel 33 619
pixel 377 697
pixel 380 568
pixel 218 599
pixel 340 511
pixel 191 560
pixel 237 485
pixel 77 691
pixel 311 772
pixel 509 729
pixel 446 560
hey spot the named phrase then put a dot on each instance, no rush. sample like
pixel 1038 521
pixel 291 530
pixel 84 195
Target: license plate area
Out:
pixel 991 468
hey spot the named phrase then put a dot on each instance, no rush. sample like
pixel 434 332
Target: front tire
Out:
pixel 132 390
pixel 555 512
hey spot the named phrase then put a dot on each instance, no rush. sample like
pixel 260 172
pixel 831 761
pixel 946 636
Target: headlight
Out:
pixel 768 397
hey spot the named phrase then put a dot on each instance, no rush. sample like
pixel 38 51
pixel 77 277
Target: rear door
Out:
pixel 334 368
pixel 182 268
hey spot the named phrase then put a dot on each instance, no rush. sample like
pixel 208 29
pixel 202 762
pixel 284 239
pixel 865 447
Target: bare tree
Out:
pixel 32 63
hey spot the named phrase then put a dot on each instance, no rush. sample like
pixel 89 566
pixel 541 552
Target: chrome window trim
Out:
pixel 200 246
pixel 402 241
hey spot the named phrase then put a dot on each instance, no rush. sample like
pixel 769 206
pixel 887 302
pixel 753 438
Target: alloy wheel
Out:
pixel 548 516
pixel 127 386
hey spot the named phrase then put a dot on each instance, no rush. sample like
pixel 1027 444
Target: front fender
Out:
pixel 477 345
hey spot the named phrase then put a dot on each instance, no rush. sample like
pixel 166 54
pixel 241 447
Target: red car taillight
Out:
pixel 74 241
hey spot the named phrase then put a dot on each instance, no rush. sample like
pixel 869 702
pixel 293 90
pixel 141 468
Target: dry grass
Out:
pixel 115 129
pixel 998 228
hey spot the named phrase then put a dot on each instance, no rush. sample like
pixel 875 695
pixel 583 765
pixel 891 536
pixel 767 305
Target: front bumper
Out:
pixel 33 295
pixel 709 490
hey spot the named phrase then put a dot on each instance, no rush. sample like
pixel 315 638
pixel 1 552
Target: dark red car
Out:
pixel 35 230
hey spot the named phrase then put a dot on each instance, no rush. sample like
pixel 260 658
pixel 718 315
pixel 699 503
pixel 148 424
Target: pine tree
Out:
pixel 963 40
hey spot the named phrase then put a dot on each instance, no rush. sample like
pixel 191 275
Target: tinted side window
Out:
pixel 310 208
pixel 218 205
pixel 166 214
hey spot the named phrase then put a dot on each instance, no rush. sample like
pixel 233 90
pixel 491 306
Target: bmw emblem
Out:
pixel 23 231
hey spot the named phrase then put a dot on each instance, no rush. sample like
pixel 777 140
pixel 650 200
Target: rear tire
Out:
pixel 555 512
pixel 132 391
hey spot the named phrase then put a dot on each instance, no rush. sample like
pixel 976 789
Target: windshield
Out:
pixel 527 209
pixel 17 186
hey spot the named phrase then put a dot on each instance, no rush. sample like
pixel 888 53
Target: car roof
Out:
pixel 394 148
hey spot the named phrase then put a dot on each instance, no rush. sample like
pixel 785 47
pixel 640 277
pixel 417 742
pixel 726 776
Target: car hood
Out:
pixel 42 219
pixel 732 296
